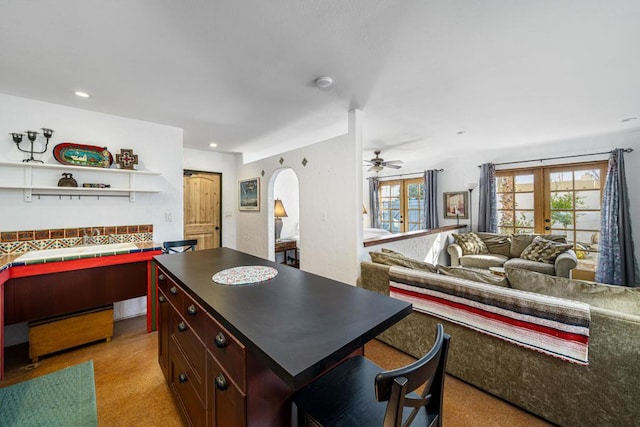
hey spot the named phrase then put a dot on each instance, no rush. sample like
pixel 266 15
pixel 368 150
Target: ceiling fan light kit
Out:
pixel 378 163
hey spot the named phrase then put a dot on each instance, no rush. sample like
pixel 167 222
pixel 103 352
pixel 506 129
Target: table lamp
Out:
pixel 278 213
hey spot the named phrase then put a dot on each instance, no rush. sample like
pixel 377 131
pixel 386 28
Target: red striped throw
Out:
pixel 550 325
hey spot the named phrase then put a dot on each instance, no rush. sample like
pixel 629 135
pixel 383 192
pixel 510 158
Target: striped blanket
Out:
pixel 549 325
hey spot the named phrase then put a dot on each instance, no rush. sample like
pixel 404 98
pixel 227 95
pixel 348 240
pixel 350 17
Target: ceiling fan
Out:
pixel 378 163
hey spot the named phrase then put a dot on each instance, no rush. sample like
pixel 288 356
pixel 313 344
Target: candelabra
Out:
pixel 32 136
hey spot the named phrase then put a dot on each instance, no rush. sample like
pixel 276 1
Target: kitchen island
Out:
pixel 234 355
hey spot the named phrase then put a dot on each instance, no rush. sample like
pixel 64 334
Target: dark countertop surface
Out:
pixel 299 324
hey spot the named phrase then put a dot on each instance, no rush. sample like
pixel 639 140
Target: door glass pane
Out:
pixel 504 184
pixel 561 181
pixel 561 219
pixel 524 219
pixel 561 200
pixel 588 199
pixel 587 179
pixel 505 201
pixel 588 220
pixel 524 201
pixel 523 183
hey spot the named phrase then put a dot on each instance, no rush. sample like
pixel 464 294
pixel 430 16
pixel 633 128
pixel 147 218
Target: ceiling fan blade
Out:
pixel 393 166
pixel 389 162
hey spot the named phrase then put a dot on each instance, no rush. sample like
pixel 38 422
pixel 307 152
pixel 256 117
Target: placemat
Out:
pixel 245 275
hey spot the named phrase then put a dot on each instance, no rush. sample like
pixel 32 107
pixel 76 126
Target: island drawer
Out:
pixel 184 388
pixel 226 405
pixel 192 349
pixel 174 293
pixel 228 351
pixel 195 315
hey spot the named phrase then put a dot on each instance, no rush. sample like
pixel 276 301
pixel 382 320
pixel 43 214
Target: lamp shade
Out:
pixel 278 209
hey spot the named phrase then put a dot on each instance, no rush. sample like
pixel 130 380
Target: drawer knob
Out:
pixel 182 378
pixel 161 298
pixel 221 341
pixel 161 277
pixel 221 382
pixel 182 326
pixel 173 290
pixel 192 310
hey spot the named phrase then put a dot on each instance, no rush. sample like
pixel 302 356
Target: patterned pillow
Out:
pixel 543 250
pixel 471 244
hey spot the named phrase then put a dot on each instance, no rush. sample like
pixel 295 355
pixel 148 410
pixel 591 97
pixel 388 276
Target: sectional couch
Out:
pixel 568 394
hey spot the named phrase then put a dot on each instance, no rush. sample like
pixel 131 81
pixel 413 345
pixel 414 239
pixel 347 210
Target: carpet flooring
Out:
pixel 62 398
pixel 131 391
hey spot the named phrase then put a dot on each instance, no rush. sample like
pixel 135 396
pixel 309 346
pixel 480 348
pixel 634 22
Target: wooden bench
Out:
pixel 62 332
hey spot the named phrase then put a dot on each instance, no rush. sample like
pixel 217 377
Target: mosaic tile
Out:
pixel 121 230
pixel 25 235
pixel 8 236
pixel 41 234
pixel 71 232
pixel 132 228
pixel 57 234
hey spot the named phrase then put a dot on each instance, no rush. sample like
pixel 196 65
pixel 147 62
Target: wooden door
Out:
pixel 202 203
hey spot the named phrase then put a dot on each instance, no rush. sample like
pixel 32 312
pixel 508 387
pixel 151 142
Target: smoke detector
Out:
pixel 324 82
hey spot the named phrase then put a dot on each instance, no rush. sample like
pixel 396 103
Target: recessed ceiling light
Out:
pixel 213 144
pixel 628 119
pixel 324 82
pixel 81 94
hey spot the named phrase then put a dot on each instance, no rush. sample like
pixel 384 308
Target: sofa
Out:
pixel 548 253
pixel 569 394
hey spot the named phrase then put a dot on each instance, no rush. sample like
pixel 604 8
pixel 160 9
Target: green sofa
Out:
pixel 603 393
pixel 503 250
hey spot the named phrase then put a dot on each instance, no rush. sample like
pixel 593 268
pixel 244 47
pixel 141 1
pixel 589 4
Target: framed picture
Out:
pixel 249 194
pixel 456 205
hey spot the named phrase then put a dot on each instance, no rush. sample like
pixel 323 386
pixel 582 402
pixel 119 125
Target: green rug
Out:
pixel 62 398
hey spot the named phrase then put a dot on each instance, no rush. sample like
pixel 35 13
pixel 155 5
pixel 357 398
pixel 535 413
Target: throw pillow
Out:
pixel 402 261
pixel 610 297
pixel 476 276
pixel 471 244
pixel 543 250
pixel 519 242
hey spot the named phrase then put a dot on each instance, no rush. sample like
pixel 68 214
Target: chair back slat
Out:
pixel 428 371
pixel 179 246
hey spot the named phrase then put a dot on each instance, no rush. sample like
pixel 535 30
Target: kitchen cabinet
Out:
pixel 41 296
pixel 36 179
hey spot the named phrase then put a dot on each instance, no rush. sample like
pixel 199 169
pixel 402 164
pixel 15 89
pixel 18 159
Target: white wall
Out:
pixel 206 161
pixel 330 204
pixel 159 149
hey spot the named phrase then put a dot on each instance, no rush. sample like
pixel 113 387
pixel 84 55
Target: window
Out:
pixel 563 199
pixel 401 205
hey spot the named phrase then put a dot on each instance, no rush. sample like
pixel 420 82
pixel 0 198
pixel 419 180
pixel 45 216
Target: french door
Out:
pixel 401 204
pixel 562 199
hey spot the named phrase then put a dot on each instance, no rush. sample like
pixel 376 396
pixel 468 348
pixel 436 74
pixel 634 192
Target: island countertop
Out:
pixel 299 324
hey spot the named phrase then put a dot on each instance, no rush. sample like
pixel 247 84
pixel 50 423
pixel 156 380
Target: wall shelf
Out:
pixel 30 189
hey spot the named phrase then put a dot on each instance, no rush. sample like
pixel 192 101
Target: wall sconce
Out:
pixel 32 136
pixel 364 210
pixel 278 213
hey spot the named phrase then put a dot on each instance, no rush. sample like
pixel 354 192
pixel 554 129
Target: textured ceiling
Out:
pixel 240 73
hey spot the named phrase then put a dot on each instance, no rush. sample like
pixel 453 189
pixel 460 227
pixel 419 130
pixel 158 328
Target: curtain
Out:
pixel 430 199
pixel 488 209
pixel 374 206
pixel 617 263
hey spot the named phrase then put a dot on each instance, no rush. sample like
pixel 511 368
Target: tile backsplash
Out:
pixel 12 242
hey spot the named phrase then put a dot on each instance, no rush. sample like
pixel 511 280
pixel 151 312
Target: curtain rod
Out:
pixel 405 174
pixel 626 150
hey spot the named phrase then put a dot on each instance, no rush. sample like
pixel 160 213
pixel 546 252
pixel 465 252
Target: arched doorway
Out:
pixel 285 188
